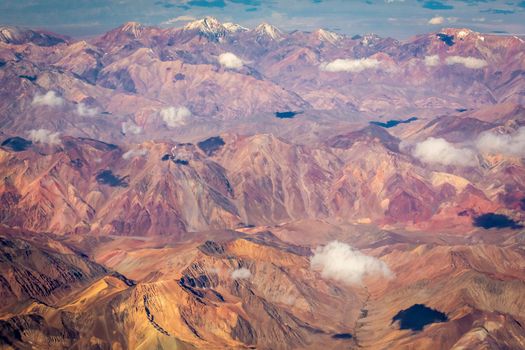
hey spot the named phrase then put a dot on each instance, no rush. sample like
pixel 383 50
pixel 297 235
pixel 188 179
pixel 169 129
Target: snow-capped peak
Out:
pixel 461 33
pixel 133 28
pixel 10 34
pixel 370 39
pixel 234 28
pixel 325 35
pixel 267 30
pixel 209 27
pixel 206 25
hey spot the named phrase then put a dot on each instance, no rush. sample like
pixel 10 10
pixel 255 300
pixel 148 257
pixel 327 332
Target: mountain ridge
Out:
pixel 214 186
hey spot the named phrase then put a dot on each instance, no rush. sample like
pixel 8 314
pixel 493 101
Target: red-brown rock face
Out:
pixel 219 187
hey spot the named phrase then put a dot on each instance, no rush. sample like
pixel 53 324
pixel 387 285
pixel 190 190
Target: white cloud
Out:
pixel 350 65
pixel 431 61
pixel 230 60
pixel 341 262
pixel 130 128
pixel 50 98
pixel 132 153
pixel 437 20
pixel 478 19
pixel 86 111
pixel 242 273
pixel 44 136
pixel 440 151
pixel 469 62
pixel 175 116
pixel 179 19
pixel 506 144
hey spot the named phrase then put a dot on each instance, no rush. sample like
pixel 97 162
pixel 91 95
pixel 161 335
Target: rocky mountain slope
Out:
pixel 221 187
pixel 247 289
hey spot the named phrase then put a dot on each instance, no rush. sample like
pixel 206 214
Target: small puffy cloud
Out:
pixel 230 60
pixel 469 62
pixel 431 61
pixel 130 128
pixel 132 153
pixel 179 19
pixel 86 111
pixel 240 274
pixel 50 98
pixel 440 151
pixel 175 116
pixel 506 144
pixel 350 65
pixel 437 20
pixel 341 262
pixel 44 136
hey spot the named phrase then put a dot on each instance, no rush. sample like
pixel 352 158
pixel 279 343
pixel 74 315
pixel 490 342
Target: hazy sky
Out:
pixel 397 18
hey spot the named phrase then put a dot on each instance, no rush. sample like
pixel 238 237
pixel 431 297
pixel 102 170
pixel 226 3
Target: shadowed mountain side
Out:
pixel 85 185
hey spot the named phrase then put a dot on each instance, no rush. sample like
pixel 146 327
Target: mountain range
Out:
pixel 214 186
